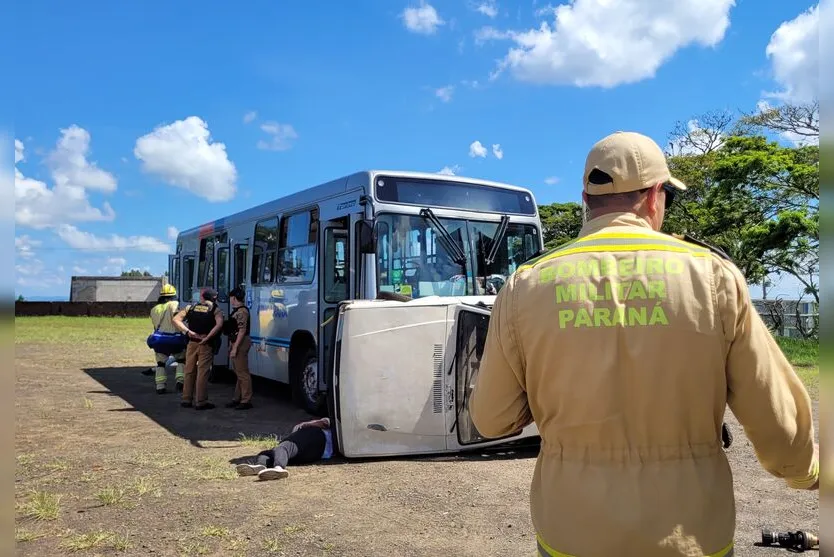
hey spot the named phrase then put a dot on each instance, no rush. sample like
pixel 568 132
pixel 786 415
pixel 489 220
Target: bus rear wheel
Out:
pixel 305 385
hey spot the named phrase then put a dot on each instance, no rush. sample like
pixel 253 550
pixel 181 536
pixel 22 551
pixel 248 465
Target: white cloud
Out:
pixel 551 180
pixel 449 171
pixel 172 233
pixel 282 136
pixel 70 167
pixel 794 54
pixel 249 117
pixel 605 44
pixel 476 149
pixel 34 274
pixel 23 246
pixel 423 19
pixel 39 206
pixel 497 151
pixel 86 241
pixel 489 8
pixel 79 270
pixel 488 33
pixel 113 266
pixel 183 154
pixel 445 93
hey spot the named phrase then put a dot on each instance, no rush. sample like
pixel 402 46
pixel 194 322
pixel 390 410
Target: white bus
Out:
pixel 369 235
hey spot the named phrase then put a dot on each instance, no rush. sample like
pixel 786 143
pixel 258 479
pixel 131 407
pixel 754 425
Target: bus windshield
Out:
pixel 412 258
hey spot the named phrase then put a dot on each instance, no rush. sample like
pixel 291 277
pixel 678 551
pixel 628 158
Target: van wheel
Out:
pixel 306 385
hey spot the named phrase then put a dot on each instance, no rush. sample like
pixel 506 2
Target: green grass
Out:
pixel 804 355
pixel 258 441
pixel 42 506
pixel 59 329
pixel 800 352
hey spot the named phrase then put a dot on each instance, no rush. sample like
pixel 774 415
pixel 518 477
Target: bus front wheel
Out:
pixel 306 385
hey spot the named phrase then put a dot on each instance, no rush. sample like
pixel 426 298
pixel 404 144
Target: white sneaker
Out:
pixel 275 473
pixel 249 469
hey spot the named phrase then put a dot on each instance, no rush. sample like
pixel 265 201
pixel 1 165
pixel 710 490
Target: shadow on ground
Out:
pixel 273 414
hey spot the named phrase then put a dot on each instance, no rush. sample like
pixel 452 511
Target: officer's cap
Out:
pixel 624 162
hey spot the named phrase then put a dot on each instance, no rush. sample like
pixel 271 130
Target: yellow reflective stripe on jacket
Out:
pixel 547 551
pixel 610 241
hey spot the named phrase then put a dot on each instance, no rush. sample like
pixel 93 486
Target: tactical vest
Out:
pixel 230 326
pixel 200 318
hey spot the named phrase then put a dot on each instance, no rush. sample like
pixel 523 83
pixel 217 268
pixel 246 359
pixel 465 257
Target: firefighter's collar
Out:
pixel 613 219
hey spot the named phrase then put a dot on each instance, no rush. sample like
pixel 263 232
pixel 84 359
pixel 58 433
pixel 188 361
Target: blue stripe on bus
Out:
pixel 272 341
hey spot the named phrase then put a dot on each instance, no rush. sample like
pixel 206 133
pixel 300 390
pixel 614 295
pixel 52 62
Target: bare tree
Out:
pixel 701 135
pixel 798 120
pixel 774 314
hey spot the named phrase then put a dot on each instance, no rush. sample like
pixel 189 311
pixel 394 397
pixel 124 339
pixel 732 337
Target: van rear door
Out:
pixel 469 333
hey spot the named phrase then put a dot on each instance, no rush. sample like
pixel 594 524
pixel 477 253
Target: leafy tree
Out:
pixel 561 223
pixel 756 199
pixel 136 273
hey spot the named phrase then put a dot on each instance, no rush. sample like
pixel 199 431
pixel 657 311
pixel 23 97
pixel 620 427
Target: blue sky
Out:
pixel 135 117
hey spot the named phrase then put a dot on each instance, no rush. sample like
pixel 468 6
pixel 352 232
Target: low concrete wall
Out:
pixel 84 309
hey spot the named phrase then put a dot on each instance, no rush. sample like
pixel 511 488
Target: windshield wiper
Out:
pixel 496 240
pixel 448 242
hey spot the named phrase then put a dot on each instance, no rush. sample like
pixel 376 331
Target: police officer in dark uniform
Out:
pixel 203 323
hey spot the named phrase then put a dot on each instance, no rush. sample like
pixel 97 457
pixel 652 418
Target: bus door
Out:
pixel 336 285
pixel 238 265
pixel 174 266
pixel 237 270
pixel 222 281
pixel 187 290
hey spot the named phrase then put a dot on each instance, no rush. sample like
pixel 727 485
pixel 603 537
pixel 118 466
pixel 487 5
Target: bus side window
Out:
pixel 297 247
pixel 383 233
pixel 239 270
pixel 264 256
pixel 187 277
pixel 336 251
pixel 205 273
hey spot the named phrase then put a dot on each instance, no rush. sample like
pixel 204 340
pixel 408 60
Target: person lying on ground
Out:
pixel 309 442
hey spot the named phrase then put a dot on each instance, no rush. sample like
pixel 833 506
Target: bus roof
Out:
pixel 328 189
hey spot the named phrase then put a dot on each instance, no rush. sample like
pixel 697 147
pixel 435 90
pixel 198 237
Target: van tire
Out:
pixel 304 384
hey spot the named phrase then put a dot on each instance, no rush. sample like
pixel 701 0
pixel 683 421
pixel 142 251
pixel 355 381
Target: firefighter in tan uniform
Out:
pixel 625 346
pixel 203 323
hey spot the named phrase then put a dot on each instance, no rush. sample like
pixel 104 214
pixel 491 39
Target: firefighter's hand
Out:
pixel 233 352
pixel 816 485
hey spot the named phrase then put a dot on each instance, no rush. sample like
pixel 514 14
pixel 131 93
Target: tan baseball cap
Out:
pixel 624 162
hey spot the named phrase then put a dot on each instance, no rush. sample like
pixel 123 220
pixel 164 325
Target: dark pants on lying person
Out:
pixel 303 446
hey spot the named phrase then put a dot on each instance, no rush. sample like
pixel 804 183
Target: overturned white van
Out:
pixel 401 375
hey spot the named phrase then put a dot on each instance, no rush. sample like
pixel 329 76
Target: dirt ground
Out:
pixel 107 467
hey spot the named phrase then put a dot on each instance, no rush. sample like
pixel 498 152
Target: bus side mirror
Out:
pixel 365 236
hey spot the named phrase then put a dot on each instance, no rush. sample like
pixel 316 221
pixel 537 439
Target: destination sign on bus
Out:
pixel 454 195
